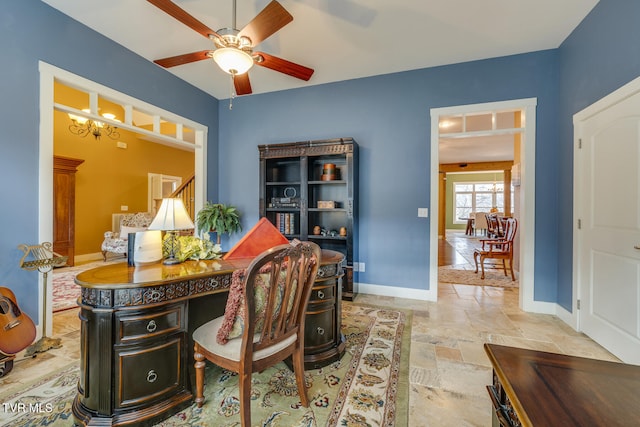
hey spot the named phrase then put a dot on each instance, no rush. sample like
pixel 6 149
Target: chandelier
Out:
pixel 83 126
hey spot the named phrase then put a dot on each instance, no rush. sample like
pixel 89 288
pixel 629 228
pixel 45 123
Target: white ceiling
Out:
pixel 345 39
pixel 339 39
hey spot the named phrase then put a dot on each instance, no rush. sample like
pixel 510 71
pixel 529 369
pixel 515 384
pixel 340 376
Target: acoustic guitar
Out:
pixel 17 330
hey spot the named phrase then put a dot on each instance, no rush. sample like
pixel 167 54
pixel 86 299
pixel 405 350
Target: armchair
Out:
pixel 498 249
pixel 116 242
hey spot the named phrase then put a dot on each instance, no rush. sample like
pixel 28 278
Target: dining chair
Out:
pixel 498 249
pixel 481 223
pixel 271 321
pixel 495 228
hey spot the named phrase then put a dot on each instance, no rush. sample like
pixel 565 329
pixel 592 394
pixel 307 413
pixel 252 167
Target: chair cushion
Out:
pixel 206 336
pixel 233 319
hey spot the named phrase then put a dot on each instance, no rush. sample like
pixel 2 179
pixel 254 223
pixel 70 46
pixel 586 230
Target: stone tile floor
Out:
pixel 448 367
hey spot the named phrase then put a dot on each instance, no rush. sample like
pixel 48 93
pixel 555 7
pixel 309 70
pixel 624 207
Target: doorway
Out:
pixel 159 187
pixel 475 207
pixel 526 204
pixel 48 76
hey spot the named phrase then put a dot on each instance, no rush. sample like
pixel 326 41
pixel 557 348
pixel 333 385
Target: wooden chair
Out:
pixel 498 249
pixel 289 272
pixel 495 228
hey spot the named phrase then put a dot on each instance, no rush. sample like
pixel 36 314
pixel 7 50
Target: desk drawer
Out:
pixel 322 294
pixel 147 373
pixel 319 329
pixel 142 325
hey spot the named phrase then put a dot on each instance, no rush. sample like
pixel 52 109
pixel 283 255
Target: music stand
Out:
pixel 44 259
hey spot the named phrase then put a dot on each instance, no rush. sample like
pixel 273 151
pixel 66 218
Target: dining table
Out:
pixel 469 230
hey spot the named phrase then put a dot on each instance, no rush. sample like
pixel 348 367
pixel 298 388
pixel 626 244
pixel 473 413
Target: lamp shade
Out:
pixel 233 60
pixel 172 215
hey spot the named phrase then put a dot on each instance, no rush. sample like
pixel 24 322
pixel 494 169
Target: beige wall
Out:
pixel 111 177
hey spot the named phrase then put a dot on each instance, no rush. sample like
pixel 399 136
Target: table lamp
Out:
pixel 171 216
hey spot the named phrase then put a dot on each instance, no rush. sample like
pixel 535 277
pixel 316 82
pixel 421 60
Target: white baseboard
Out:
pixel 567 317
pixel 392 291
pixel 554 309
pixel 540 307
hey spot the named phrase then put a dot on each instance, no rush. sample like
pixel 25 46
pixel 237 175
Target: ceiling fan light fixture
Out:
pixel 232 60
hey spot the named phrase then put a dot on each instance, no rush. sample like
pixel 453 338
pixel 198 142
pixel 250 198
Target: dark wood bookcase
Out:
pixel 296 177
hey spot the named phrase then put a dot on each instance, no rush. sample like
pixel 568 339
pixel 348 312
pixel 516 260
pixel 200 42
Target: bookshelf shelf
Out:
pixel 334 182
pixel 334 210
pixel 314 237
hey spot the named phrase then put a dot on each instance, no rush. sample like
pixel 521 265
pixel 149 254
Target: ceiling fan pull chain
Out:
pixel 232 92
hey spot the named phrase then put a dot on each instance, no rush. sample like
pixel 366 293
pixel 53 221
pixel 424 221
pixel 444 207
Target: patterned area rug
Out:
pixel 367 387
pixel 65 291
pixel 468 277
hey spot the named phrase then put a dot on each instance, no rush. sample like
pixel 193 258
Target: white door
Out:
pixel 608 210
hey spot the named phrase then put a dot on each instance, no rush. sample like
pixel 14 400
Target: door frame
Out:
pixel 176 180
pixel 527 198
pixel 48 74
pixel 628 90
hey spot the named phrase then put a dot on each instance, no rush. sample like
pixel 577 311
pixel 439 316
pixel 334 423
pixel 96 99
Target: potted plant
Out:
pixel 219 218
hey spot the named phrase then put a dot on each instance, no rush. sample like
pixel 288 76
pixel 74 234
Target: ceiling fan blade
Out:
pixel 181 15
pixel 183 59
pixel 284 66
pixel 242 84
pixel 268 21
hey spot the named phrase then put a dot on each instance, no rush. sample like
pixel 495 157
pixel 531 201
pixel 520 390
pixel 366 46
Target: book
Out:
pixel 264 235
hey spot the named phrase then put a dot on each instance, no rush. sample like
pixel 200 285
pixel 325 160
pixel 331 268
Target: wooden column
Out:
pixel 442 204
pixel 507 192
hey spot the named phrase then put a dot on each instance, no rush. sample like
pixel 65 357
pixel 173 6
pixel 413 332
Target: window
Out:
pixel 477 197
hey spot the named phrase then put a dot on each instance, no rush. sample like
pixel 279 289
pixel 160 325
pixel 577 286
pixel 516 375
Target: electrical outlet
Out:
pixel 423 212
pixel 355 266
pixel 361 267
pixel 124 208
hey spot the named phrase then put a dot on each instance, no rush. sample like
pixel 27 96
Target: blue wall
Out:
pixel 389 116
pixel 601 55
pixel 31 31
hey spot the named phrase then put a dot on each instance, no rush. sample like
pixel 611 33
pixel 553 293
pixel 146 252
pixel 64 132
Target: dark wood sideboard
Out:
pixel 64 211
pixel 535 388
pixel 136 350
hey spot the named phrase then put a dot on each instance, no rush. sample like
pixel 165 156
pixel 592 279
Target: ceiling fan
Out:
pixel 234 48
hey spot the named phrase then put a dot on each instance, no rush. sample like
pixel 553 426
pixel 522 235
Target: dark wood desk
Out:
pixel 534 388
pixel 136 349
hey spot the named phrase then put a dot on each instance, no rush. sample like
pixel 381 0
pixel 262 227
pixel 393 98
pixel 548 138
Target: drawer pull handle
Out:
pixel 152 376
pixel 152 326
pixel 320 294
pixel 320 331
